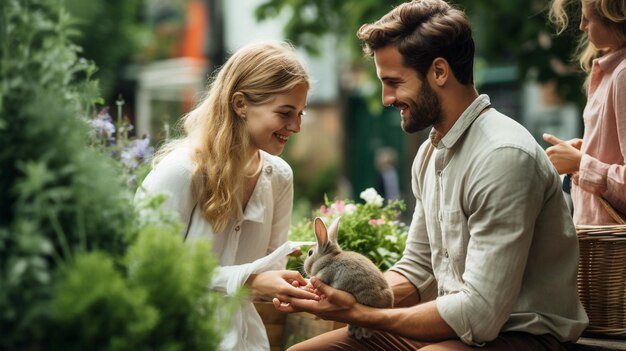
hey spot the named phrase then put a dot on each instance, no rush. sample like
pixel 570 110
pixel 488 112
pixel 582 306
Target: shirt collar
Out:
pixel 461 125
pixel 608 62
pixel 255 209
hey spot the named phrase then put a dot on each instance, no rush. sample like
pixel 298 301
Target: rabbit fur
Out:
pixel 348 271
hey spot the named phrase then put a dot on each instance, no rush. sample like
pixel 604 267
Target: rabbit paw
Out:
pixel 359 332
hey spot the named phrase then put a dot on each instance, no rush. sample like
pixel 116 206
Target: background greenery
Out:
pixel 507 32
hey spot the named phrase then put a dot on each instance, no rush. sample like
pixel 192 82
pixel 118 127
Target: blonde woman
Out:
pixel 597 161
pixel 225 179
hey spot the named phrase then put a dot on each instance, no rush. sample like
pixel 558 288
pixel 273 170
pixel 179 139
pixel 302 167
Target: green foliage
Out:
pixel 110 34
pixel 176 277
pixel 94 305
pixel 161 303
pixel 370 228
pixel 309 21
pixel 55 192
pixel 67 280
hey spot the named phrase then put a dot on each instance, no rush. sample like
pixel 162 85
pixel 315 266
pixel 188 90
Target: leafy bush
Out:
pixel 94 304
pixel 159 303
pixel 67 277
pixel 371 228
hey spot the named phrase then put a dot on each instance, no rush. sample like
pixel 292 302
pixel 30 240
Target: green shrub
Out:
pixel 93 304
pixel 68 280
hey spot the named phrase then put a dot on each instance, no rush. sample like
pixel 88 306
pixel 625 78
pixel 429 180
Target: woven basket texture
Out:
pixel 602 278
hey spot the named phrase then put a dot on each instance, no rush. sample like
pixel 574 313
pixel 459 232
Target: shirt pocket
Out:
pixel 455 237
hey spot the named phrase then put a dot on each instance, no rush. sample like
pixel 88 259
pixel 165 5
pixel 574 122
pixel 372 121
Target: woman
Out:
pixel 597 162
pixel 226 182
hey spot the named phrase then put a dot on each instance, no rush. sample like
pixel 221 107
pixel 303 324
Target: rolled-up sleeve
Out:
pixel 504 199
pixel 602 178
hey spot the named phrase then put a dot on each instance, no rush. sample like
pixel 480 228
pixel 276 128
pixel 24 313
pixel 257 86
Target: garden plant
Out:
pixel 372 228
pixel 82 268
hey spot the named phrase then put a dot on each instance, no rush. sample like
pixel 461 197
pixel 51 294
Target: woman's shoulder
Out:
pixel 171 175
pixel 179 158
pixel 276 165
pixel 176 167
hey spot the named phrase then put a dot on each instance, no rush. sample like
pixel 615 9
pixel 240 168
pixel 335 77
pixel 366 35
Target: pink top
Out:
pixel 602 169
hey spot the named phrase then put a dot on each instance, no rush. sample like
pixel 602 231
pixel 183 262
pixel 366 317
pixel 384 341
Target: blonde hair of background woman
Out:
pixel 612 12
pixel 219 138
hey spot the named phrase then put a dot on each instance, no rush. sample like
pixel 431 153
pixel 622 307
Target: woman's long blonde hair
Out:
pixel 612 12
pixel 219 138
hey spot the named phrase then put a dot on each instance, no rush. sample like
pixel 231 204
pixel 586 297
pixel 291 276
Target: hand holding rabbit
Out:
pixel 347 271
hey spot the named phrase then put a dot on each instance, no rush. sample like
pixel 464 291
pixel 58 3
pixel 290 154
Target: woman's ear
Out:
pixel 440 70
pixel 240 106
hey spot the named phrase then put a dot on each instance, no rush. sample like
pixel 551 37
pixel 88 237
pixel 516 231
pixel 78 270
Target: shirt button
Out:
pixel 237 228
pixel 445 253
pixel 268 170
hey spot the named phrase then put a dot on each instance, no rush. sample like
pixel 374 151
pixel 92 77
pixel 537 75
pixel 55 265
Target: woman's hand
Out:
pixel 284 285
pixel 333 304
pixel 564 155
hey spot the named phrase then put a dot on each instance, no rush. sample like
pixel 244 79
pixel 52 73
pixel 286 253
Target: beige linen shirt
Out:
pixel 491 236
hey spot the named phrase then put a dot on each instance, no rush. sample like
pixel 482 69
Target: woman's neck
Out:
pixel 253 166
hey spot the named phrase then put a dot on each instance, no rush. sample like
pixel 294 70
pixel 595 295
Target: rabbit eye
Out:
pixel 310 252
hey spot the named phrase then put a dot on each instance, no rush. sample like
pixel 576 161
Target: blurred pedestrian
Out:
pixel 387 183
pixel 596 163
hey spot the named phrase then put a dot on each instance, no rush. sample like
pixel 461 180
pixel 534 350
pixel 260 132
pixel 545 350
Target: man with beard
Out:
pixel 492 254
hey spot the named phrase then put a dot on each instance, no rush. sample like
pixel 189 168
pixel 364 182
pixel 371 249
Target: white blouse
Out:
pixel 262 229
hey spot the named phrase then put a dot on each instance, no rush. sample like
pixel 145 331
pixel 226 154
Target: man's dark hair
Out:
pixel 423 30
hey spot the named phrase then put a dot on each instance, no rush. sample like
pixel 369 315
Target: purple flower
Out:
pixel 103 125
pixel 136 152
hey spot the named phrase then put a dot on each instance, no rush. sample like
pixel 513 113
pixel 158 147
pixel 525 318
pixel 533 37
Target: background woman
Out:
pixel 596 162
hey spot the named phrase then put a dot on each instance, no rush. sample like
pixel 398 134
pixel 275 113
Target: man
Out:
pixel 492 254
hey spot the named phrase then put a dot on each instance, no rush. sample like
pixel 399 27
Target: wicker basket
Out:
pixel 602 278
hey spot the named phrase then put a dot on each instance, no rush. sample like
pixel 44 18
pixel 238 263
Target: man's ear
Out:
pixel 441 71
pixel 240 105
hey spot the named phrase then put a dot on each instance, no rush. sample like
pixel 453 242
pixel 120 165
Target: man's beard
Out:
pixel 424 112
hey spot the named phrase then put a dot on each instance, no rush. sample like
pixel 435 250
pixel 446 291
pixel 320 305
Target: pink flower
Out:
pixel 338 207
pixel 325 210
pixel 376 221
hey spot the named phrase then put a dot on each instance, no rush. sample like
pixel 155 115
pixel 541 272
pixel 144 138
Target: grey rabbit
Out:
pixel 348 271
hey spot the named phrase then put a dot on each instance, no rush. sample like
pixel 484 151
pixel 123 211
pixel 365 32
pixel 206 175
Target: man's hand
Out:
pixel 333 304
pixel 564 155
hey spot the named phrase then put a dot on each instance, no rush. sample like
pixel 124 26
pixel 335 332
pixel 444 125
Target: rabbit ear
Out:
pixel 334 230
pixel 320 232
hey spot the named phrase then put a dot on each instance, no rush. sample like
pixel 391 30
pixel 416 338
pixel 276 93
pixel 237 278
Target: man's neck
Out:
pixel 454 101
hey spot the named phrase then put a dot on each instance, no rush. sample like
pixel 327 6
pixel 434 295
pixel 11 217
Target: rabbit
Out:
pixel 348 271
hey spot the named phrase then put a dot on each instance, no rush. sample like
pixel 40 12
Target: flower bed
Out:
pixel 371 228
